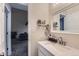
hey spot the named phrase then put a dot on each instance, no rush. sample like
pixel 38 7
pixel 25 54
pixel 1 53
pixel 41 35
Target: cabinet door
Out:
pixel 40 53
pixel 43 51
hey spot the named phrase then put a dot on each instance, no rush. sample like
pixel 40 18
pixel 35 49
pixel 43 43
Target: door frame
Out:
pixel 7 27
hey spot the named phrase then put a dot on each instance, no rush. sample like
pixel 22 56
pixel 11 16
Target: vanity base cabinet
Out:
pixel 43 52
pixel 40 53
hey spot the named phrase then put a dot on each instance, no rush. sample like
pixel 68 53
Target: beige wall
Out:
pixel 1 28
pixel 35 12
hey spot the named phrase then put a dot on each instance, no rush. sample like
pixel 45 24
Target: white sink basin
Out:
pixel 58 49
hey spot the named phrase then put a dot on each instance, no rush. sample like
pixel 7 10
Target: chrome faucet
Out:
pixel 60 41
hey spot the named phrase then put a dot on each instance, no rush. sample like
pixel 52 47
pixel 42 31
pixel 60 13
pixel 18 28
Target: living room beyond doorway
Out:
pixel 19 31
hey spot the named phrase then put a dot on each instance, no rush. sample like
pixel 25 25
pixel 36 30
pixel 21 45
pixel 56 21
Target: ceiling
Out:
pixel 21 6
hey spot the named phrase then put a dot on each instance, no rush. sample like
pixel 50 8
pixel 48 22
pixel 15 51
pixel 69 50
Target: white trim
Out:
pixel 5 52
pixel 9 30
pixel 29 45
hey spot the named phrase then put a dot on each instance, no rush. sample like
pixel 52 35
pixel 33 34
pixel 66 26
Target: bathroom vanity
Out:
pixel 48 48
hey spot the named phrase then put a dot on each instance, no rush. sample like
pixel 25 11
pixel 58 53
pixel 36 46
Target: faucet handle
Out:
pixel 64 43
pixel 60 40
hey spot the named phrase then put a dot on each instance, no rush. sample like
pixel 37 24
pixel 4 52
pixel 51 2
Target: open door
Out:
pixel 7 30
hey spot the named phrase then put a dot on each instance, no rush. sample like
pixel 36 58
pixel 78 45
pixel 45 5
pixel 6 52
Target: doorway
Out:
pixel 19 30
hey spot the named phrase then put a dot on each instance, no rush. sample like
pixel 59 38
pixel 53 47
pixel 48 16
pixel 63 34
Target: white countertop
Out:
pixel 59 50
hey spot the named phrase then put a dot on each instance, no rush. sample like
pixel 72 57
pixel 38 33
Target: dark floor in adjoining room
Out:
pixel 20 48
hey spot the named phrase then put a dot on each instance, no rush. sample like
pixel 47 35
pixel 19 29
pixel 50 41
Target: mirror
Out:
pixel 67 20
